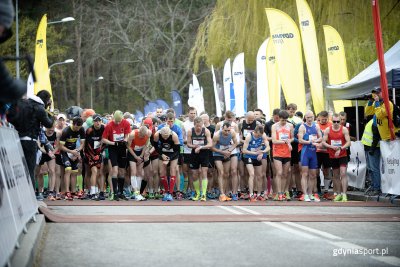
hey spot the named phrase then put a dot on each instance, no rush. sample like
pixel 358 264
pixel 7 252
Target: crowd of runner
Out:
pixel 195 157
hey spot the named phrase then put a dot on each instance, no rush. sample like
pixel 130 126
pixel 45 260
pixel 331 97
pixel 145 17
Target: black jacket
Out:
pixel 28 116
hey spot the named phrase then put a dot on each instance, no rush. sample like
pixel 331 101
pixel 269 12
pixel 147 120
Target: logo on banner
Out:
pixel 263 57
pixel 332 49
pixel 40 43
pixel 305 23
pixel 282 35
pixel 238 73
pixel 271 59
pixel 357 163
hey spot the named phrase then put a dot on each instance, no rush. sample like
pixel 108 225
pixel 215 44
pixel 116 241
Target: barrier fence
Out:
pixel 17 199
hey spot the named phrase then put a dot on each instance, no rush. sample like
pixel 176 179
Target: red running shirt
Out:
pixel 116 132
pixel 336 138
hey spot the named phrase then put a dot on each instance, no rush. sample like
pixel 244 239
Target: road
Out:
pixel 186 233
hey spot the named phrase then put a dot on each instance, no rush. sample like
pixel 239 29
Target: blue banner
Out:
pixel 139 116
pixel 232 98
pixel 147 109
pixel 152 106
pixel 162 104
pixel 177 102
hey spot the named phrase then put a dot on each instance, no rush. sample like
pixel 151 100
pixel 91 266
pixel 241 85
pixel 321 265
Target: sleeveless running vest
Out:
pixel 224 143
pixel 254 145
pixel 336 139
pixel 282 133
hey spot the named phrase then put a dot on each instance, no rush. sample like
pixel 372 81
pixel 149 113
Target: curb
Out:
pixel 29 243
pixel 379 199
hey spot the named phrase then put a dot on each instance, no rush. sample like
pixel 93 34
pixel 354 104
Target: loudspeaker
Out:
pixel 351 118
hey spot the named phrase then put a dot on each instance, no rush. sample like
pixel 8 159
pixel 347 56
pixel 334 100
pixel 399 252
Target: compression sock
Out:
pixel 143 186
pixel 121 181
pixel 204 184
pixel 172 184
pixel 164 182
pixel 196 185
pixel 114 181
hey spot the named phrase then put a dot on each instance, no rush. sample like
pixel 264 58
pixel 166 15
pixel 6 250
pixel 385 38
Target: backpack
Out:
pixel 396 116
pixel 20 113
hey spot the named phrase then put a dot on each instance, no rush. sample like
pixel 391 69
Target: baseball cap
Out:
pixel 376 90
pixel 97 117
pixel 149 122
pixel 59 116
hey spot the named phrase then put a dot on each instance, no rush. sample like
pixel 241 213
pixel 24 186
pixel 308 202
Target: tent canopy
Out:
pixel 362 84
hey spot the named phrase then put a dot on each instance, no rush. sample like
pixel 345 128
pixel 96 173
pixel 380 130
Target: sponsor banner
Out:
pixel 274 85
pixel 239 85
pixel 196 98
pixel 161 103
pixel 262 81
pixel 216 95
pixel 177 102
pixel 390 167
pixel 18 202
pixel 285 36
pixel 357 166
pixel 227 85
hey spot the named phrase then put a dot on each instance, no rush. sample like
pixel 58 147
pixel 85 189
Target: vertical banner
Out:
pixel 274 86
pixel 177 102
pixel 337 65
pixel 390 167
pixel 357 166
pixel 30 85
pixel 311 54
pixel 286 38
pixel 161 103
pixel 381 60
pixel 196 99
pixel 239 84
pixel 227 84
pixel 152 107
pixel 41 66
pixel 216 95
pixel 147 109
pixel 262 80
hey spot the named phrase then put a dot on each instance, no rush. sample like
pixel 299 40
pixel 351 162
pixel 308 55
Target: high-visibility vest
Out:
pixel 368 136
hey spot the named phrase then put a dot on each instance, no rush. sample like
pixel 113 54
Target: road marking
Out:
pixel 388 260
pixel 248 210
pixel 231 210
pixel 315 231
pixel 290 230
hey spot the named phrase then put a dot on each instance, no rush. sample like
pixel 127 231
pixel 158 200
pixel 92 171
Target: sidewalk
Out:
pixel 360 196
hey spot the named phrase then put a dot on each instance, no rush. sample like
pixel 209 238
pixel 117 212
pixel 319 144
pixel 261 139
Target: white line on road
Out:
pixel 290 230
pixel 248 210
pixel 315 231
pixel 231 210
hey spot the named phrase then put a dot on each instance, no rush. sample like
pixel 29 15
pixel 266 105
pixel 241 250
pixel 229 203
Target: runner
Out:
pixel 337 139
pixel 187 151
pixel 254 148
pixel 282 137
pixel 61 123
pixel 115 135
pixel 309 136
pixel 94 157
pixel 168 148
pixel 224 142
pixel 199 140
pixel 70 154
pixel 137 148
pixel 271 187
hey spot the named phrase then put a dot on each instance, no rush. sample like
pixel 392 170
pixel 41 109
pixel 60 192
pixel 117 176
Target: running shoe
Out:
pixel 133 196
pixel 260 198
pixel 165 197
pixel 151 196
pixel 122 196
pixel 223 198
pixel 326 196
pixel 93 197
pixel 40 197
pixel 281 197
pixel 338 198
pixel 157 195
pixel 192 195
pixel 276 197
pixel 68 196
pixel 140 198
pixel 307 198
pixel 58 196
pixel 235 197
pixel 210 195
pixel 196 197
pixel 287 195
pixel 344 198
pixel 169 197
pixel 253 198
pixel 203 198
pixel 79 195
pixel 114 197
pixel 51 196
pixel 101 196
pixel 316 197
pixel 179 196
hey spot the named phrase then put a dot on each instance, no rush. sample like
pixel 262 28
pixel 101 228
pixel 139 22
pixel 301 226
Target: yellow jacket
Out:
pixel 378 108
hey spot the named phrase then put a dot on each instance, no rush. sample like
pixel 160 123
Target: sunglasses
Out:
pixel 336 121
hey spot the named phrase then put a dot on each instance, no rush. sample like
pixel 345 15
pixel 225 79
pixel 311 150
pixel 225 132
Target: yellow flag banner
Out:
pixel 274 86
pixel 286 40
pixel 311 54
pixel 41 66
pixel 337 66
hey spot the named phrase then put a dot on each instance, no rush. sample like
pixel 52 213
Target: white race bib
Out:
pixel 171 150
pixel 96 144
pixel 118 137
pixel 198 142
pixel 138 148
pixel 283 136
pixel 312 137
pixel 224 147
pixel 337 143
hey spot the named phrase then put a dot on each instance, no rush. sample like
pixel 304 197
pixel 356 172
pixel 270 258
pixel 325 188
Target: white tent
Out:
pixel 368 79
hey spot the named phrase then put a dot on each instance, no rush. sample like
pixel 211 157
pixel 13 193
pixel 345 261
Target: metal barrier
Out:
pixel 18 203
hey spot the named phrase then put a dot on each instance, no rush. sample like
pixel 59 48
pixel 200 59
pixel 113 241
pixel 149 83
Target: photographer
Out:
pixel 27 116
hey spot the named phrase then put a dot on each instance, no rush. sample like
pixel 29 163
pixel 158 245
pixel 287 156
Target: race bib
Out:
pixel 138 148
pixel 283 136
pixel 198 142
pixel 224 147
pixel 118 137
pixel 168 150
pixel 337 143
pixel 312 137
pixel 96 144
pixel 246 132
pixel 254 149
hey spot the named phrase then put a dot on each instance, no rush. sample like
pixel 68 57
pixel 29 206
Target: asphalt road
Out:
pixel 211 243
